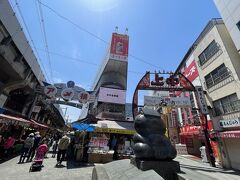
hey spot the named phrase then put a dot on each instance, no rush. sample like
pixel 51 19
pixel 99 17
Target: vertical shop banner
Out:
pixel 201 99
pixel 191 71
pixel 119 47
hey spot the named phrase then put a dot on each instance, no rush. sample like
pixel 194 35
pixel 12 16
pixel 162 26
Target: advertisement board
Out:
pixel 110 95
pixel 119 47
pixel 167 101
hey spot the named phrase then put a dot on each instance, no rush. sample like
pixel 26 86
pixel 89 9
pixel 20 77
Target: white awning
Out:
pixel 118 127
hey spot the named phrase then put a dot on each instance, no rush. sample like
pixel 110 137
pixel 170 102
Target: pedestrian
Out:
pixel 28 144
pixel 8 145
pixel 37 139
pixel 55 145
pixel 62 148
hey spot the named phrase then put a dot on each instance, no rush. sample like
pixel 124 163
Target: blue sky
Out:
pixel 160 31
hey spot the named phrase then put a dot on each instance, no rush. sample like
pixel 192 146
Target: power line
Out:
pixel 80 60
pixel 71 22
pixel 30 37
pixel 139 59
pixel 43 30
pixel 92 34
pixel 69 57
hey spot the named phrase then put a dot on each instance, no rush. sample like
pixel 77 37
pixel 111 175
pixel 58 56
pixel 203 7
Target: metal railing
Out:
pixel 227 108
pixel 217 78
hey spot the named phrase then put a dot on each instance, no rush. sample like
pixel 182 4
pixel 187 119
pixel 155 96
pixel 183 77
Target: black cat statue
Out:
pixel 150 142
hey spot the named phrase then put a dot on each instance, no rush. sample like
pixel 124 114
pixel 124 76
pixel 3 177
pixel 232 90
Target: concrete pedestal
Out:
pixel 122 170
pixel 166 169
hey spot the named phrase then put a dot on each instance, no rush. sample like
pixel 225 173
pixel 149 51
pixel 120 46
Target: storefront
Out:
pixel 191 136
pixel 230 148
pixel 111 140
pixel 18 126
pixel 229 142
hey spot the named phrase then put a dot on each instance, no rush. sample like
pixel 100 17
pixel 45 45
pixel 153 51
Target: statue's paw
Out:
pixel 164 152
pixel 143 150
pixel 137 138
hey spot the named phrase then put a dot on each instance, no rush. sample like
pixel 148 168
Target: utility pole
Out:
pixel 202 104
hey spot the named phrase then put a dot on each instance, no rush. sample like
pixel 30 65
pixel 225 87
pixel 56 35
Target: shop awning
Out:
pixel 37 125
pixel 11 120
pixel 117 127
pixel 83 127
pixel 229 134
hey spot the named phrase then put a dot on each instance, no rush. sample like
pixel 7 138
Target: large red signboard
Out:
pixel 191 71
pixel 119 47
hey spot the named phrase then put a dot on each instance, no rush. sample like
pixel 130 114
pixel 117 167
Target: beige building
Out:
pixel 230 12
pixel 218 64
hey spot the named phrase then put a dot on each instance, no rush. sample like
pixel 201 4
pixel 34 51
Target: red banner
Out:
pixel 119 47
pixel 191 71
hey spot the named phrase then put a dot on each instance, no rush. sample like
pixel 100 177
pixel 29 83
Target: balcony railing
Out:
pixel 227 108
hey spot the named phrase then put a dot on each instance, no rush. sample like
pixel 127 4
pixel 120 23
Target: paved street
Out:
pixel 193 168
pixel 10 170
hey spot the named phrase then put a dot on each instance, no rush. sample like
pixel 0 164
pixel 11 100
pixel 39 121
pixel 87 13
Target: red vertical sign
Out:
pixel 119 47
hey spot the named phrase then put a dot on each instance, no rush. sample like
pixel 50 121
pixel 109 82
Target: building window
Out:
pixel 209 52
pixel 217 75
pixel 238 25
pixel 226 105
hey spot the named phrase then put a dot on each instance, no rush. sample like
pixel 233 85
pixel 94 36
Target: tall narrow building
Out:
pixel 111 81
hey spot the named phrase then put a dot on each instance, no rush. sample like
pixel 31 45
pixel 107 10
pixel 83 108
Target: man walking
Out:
pixel 62 148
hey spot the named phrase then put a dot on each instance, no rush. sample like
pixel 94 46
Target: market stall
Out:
pixel 80 140
pixel 98 151
pixel 110 140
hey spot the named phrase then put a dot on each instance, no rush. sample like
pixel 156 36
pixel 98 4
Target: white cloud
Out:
pixel 58 80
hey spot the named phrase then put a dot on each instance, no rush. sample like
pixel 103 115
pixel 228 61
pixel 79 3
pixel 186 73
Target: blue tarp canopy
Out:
pixel 83 127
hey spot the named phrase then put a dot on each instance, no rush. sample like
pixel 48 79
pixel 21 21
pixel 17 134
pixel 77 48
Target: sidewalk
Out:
pixel 193 168
pixel 10 170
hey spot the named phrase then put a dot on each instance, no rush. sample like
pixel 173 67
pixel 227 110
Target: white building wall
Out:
pixel 230 12
pixel 223 57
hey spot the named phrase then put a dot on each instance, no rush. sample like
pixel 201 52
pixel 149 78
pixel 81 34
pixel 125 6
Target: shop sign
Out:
pixel 67 94
pixel 119 47
pixel 98 142
pixel 165 82
pixel 201 100
pixel 229 123
pixel 36 109
pixel 68 91
pixel 83 97
pixel 167 101
pixel 115 131
pixel 50 91
pixel 110 95
pixel 191 71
